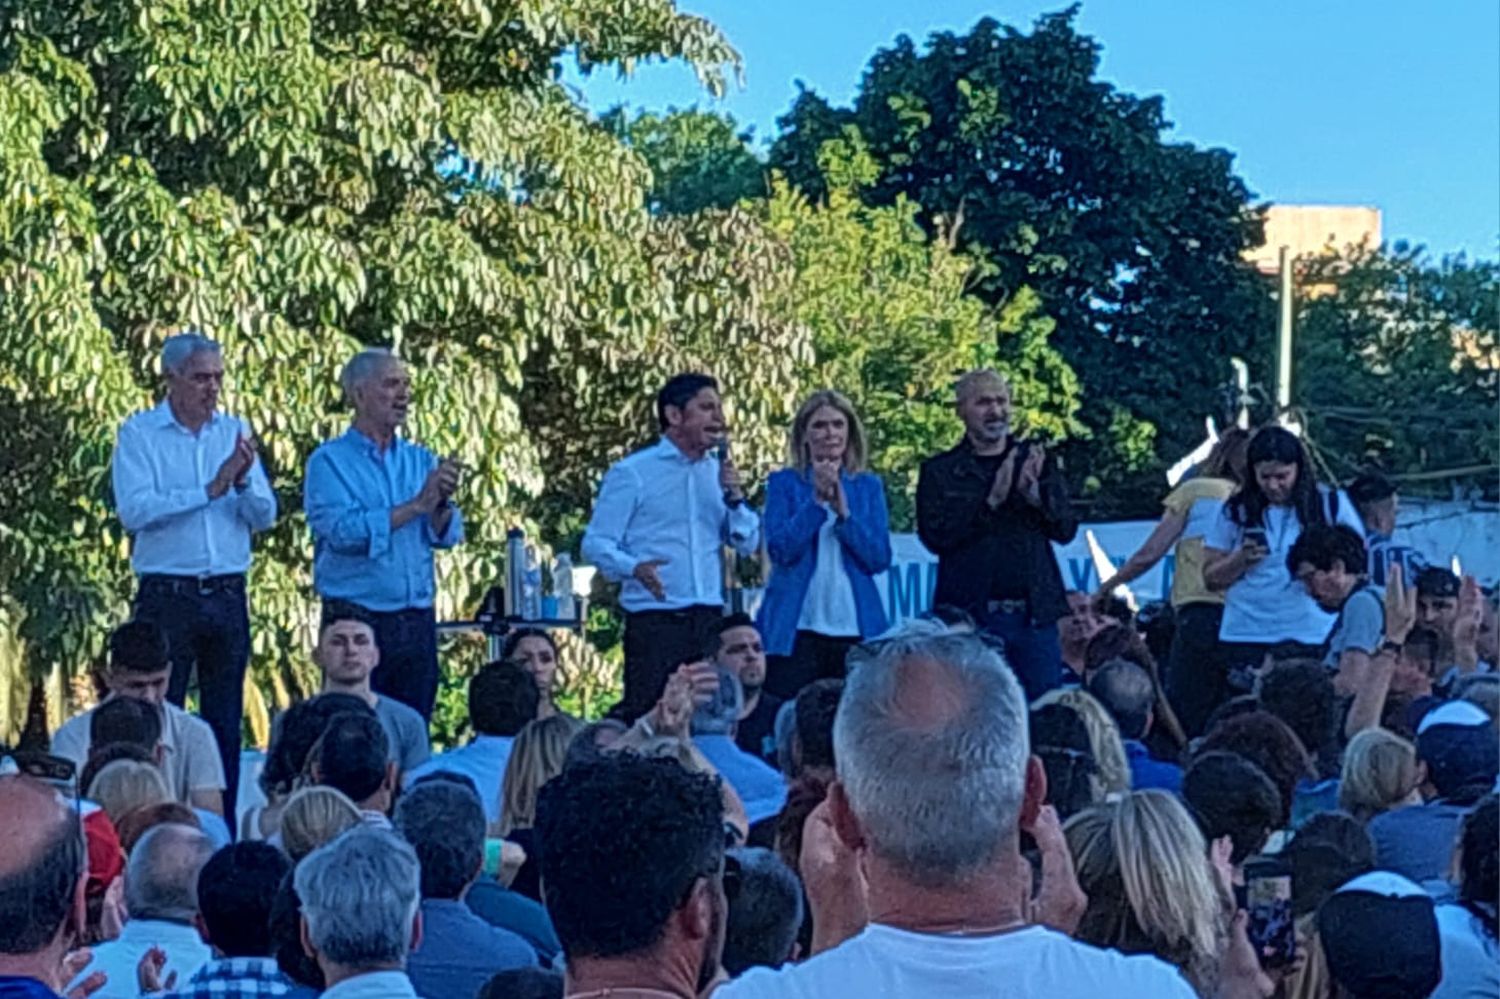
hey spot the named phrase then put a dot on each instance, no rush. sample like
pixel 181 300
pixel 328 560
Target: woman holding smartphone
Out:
pixel 1245 553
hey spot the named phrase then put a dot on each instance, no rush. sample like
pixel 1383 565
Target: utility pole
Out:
pixel 1284 340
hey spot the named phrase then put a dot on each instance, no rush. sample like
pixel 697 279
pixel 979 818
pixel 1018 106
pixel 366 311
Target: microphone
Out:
pixel 721 452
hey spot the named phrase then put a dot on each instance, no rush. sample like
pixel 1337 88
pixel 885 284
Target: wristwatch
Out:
pixel 1391 646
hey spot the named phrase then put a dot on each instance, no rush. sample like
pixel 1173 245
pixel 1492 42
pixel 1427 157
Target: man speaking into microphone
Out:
pixel 659 525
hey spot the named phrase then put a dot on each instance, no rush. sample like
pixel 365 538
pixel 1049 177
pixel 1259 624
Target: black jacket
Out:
pixel 986 554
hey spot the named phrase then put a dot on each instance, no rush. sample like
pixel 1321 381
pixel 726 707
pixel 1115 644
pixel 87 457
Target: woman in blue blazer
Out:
pixel 827 531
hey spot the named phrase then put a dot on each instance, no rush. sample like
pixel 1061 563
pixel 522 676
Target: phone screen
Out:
pixel 1256 535
pixel 1268 902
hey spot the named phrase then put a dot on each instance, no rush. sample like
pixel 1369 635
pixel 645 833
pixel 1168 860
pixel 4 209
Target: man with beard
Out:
pixel 643 921
pixel 989 509
pixel 661 519
pixel 378 505
pixel 738 650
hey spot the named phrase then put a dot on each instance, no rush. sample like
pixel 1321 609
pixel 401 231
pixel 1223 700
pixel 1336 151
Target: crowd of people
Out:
pixel 1280 783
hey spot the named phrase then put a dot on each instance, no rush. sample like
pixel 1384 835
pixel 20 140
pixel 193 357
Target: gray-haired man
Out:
pixel 359 897
pixel 378 506
pixel 190 490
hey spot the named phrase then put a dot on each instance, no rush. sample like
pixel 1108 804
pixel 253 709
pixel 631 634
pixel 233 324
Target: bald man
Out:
pixel 42 876
pixel 990 509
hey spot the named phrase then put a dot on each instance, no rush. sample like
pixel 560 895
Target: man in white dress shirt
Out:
pixel 190 490
pixel 658 527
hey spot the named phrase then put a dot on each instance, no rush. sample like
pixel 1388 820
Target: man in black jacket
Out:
pixel 990 509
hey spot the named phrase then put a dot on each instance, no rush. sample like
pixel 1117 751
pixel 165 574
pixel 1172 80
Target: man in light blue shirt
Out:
pixel 190 490
pixel 662 517
pixel 378 505
pixel 1376 500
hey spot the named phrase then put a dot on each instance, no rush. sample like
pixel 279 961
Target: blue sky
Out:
pixel 1369 102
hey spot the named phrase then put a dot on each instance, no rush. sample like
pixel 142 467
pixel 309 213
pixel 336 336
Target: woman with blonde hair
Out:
pixel 1151 886
pixel 314 816
pixel 538 755
pixel 827 532
pixel 1381 772
pixel 1104 736
pixel 125 785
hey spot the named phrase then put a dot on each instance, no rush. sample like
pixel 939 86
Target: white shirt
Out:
pixel 161 471
pixel 191 760
pixel 886 963
pixel 373 985
pixel 483 761
pixel 1471 958
pixel 659 504
pixel 829 607
pixel 186 953
pixel 1267 604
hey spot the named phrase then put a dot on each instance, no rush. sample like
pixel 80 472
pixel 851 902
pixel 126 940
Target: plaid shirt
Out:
pixel 236 978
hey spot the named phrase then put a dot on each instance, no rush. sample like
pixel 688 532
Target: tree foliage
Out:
pixel 698 159
pixel 1397 365
pixel 298 179
pixel 1063 184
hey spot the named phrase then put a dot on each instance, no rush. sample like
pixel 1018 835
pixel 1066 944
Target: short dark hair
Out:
pixel 679 391
pixel 1060 740
pixel 337 611
pixel 1436 581
pixel 1127 694
pixel 765 912
pixel 236 890
pixel 128 720
pixel 1321 545
pixel 816 706
pixel 515 638
pixel 1116 608
pixel 35 899
pixel 352 755
pixel 1118 642
pixel 1266 741
pixel 286 937
pixel 139 647
pixel 1369 488
pixel 1300 692
pixel 525 983
pixel 298 731
pixel 1230 796
pixel 444 823
pixel 503 699
pixel 607 900
pixel 1329 850
pixel 739 619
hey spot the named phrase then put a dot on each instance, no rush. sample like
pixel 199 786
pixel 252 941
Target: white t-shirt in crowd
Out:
pixel 829 607
pixel 1267 604
pixel 190 761
pixel 887 962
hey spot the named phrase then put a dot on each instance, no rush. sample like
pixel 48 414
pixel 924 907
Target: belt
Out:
pixel 201 585
pixel 1007 606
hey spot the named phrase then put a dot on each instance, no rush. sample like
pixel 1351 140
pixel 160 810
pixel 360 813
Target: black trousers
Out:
pixel 207 624
pixel 407 639
pixel 814 657
pixel 1197 676
pixel 656 643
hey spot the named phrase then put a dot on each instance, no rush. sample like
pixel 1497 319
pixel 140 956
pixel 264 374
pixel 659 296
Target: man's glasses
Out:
pixel 59 771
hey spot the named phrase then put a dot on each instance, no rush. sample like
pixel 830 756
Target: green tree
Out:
pixel 298 179
pixel 698 159
pixel 1062 183
pixel 1397 365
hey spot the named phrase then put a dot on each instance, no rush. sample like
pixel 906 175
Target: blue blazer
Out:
pixel 792 520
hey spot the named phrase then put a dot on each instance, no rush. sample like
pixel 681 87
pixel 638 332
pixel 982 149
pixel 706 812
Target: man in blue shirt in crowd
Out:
pixel 1376 500
pixel 1127 693
pixel 378 505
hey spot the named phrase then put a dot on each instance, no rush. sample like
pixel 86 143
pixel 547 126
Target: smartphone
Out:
pixel 1268 902
pixel 719 716
pixel 1256 535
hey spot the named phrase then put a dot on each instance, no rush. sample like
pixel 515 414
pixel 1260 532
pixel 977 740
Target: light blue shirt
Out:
pixel 483 761
pixel 659 504
pixel 186 953
pixel 160 472
pixel 352 486
pixel 374 985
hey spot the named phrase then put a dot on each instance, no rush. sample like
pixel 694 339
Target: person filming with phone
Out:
pixel 658 527
pixel 378 506
pixel 1245 558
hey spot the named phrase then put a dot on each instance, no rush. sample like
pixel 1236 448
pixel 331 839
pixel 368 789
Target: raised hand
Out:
pixel 72 966
pixel 1060 901
pixel 1400 606
pixel 826 478
pixel 148 972
pixel 233 469
pixel 1470 614
pixel 730 480
pixel 645 572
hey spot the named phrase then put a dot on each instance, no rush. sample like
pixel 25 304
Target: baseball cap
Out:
pixel 1459 746
pixel 1435 581
pixel 1379 933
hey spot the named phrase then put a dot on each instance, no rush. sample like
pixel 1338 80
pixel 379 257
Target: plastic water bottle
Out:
pixel 531 601
pixel 562 587
pixel 515 573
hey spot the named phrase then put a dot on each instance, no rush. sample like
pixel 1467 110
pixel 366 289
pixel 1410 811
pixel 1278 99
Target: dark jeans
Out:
pixel 1033 650
pixel 207 624
pixel 814 657
pixel 656 643
pixel 1197 677
pixel 407 639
